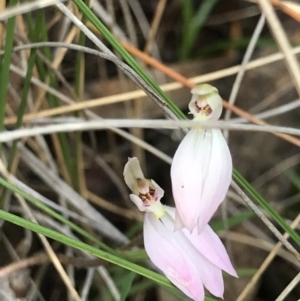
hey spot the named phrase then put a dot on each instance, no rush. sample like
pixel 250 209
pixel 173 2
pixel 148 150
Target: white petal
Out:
pixel 159 192
pixel 216 104
pixel 217 179
pixel 170 210
pixel 208 94
pixel 132 172
pixel 201 174
pixel 137 201
pixel 204 89
pixel 186 179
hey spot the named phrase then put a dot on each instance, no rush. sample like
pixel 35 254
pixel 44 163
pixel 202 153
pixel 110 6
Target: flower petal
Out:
pixel 209 273
pixel 178 221
pixel 204 89
pixel 211 247
pixel 167 254
pixel 132 172
pixel 187 178
pixel 137 201
pixel 211 276
pixel 204 95
pixel 217 179
pixel 201 174
pixel 159 192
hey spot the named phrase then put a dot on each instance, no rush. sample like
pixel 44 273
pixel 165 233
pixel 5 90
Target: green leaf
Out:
pixel 22 107
pixel 192 25
pixel 294 178
pixel 5 66
pixel 126 286
pixel 245 272
pixel 233 220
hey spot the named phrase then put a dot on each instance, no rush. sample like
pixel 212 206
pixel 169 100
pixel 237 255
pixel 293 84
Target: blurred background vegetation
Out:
pixel 72 183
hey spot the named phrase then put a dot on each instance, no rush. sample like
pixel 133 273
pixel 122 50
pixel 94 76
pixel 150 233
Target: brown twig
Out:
pixel 154 26
pixel 265 264
pixel 287 9
pixel 178 77
pixel 41 258
pixel 282 41
pixel 265 220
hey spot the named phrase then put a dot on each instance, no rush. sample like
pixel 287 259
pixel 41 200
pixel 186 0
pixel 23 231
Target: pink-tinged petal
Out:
pixel 211 276
pixel 211 247
pixel 167 254
pixel 209 273
pixel 208 244
pixel 159 192
pixel 132 172
pixel 201 174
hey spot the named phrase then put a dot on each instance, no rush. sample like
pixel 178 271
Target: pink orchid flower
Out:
pixel 201 170
pixel 191 261
pixel 146 193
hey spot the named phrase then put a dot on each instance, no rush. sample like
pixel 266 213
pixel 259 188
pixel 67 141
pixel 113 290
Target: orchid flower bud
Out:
pixel 190 261
pixel 201 170
pixel 146 193
pixel 206 103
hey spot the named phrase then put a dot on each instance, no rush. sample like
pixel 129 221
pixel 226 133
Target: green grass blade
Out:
pixel 21 111
pixel 23 104
pixel 54 102
pixel 127 57
pixel 54 214
pixel 91 250
pixel 271 211
pixel 233 220
pixel 38 32
pixel 5 65
pixel 126 286
pixel 84 247
pixel 194 24
pixel 4 76
pixel 294 178
pixel 246 272
pixel 187 15
pixel 77 163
